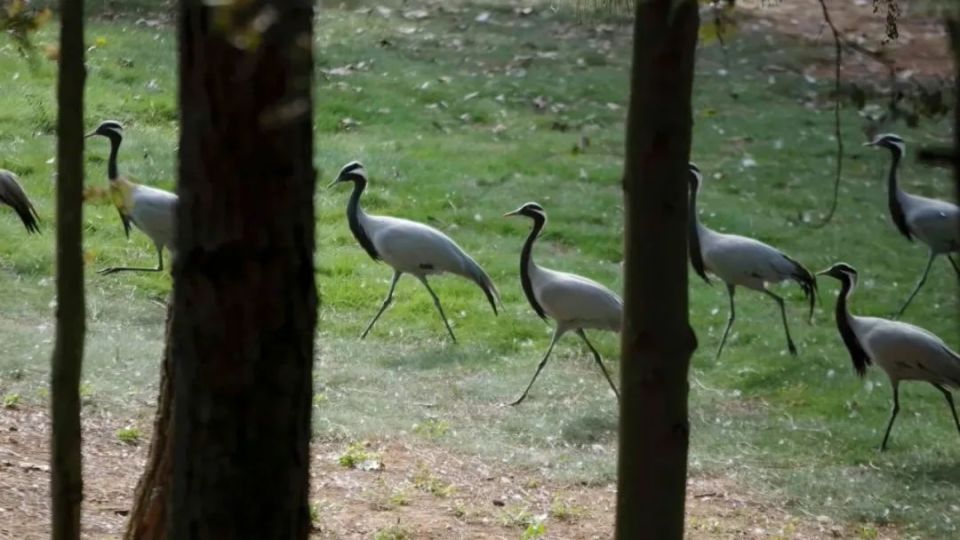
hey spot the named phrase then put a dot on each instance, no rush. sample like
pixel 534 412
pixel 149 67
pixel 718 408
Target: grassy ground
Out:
pixel 459 121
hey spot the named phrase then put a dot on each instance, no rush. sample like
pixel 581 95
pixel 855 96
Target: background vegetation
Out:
pixel 463 113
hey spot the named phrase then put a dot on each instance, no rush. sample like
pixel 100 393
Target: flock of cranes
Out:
pixel 575 303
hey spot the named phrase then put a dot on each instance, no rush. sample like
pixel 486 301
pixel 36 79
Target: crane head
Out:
pixel 841 271
pixel 531 210
pixel 890 141
pixel 108 128
pixel 351 172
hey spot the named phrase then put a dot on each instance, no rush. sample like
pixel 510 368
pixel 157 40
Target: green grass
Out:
pixel 449 132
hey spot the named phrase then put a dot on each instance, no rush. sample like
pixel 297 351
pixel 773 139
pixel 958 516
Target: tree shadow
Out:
pixel 443 356
pixel 589 429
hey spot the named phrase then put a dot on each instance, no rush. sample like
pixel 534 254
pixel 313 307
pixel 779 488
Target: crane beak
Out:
pixel 331 184
pixel 823 272
pixel 871 143
pixel 508 214
pixel 91 134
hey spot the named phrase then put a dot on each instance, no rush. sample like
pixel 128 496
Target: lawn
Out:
pixel 460 114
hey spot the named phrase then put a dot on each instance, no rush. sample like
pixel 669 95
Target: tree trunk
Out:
pixel 245 302
pixel 148 517
pixel 66 476
pixel 656 340
pixel 953 30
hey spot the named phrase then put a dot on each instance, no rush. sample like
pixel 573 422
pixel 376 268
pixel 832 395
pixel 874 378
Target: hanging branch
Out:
pixel 838 48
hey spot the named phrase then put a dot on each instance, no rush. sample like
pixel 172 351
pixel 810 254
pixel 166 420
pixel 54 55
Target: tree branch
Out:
pixel 838 50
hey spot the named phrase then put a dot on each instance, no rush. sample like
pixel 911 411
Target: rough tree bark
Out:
pixel 244 302
pixel 148 517
pixel 657 340
pixel 66 478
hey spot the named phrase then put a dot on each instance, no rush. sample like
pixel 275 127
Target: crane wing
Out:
pixel 154 213
pixel 569 297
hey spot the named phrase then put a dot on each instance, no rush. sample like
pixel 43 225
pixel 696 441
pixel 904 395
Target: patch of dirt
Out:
pixel 921 49
pixel 423 489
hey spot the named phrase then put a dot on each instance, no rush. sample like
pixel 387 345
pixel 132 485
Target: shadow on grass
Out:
pixel 590 429
pixel 441 356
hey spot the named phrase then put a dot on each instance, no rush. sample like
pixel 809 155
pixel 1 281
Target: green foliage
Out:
pixel 394 532
pixel 424 480
pixel 432 428
pixel 518 516
pixel 11 401
pixel 565 510
pixel 534 531
pixel 20 22
pixel 356 455
pixel 129 435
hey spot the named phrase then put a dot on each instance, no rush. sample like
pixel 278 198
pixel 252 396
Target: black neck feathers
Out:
pixel 858 355
pixel 115 140
pixel 693 235
pixel 353 216
pixel 526 259
pixel 893 199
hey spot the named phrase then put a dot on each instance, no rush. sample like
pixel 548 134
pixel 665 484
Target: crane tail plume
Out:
pixel 807 282
pixel 13 196
pixel 954 376
pixel 475 273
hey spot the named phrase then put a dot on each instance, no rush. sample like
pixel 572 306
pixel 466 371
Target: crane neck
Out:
pixel 858 355
pixel 355 215
pixel 115 140
pixel 895 195
pixel 527 265
pixel 694 229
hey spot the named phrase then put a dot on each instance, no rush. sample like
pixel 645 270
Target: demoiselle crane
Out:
pixel 574 302
pixel 903 351
pixel 409 248
pixel 934 222
pixel 12 195
pixel 151 210
pixel 738 260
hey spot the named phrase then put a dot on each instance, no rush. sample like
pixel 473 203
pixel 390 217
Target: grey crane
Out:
pixel 409 248
pixel 151 210
pixel 738 260
pixel 903 351
pixel 934 222
pixel 574 302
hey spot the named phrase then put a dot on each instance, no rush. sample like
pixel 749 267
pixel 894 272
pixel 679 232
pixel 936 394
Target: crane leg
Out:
pixel 596 356
pixel 923 279
pixel 953 408
pixel 783 316
pixel 557 333
pixel 436 302
pixel 730 318
pixel 386 303
pixel 893 414
pixel 115 269
pixel 954 263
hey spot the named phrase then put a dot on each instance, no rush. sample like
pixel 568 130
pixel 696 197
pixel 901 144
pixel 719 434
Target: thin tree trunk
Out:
pixel 245 302
pixel 953 30
pixel 66 476
pixel 148 517
pixel 657 340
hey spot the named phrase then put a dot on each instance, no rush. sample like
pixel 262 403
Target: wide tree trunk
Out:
pixel 148 518
pixel 245 302
pixel 66 476
pixel 657 340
